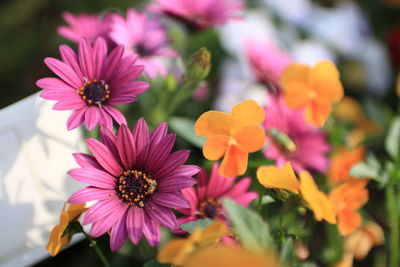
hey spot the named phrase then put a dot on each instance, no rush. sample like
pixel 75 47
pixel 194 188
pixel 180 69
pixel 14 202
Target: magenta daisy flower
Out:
pixel 88 26
pixel 266 60
pixel 205 199
pixel 201 14
pixel 135 180
pixel 144 37
pixel 92 83
pixel 306 146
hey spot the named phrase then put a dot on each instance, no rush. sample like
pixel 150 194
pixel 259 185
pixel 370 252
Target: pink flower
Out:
pixel 202 14
pixel 307 146
pixel 92 83
pixel 88 26
pixel 145 38
pixel 205 200
pixel 266 60
pixel 135 179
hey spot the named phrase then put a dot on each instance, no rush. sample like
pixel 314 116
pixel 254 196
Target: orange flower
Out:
pixel 350 111
pixel 177 251
pixel 284 178
pixel 57 239
pixel 232 136
pixel 314 89
pixel 346 199
pixel 341 163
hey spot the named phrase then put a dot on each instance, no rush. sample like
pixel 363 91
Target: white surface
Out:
pixel 35 154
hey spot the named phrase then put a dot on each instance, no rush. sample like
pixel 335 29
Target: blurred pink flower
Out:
pixel 91 83
pixel 135 180
pixel 307 147
pixel 266 60
pixel 205 200
pixel 144 37
pixel 202 14
pixel 89 26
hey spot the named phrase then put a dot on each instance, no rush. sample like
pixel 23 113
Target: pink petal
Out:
pixel 86 161
pixel 126 147
pixel 121 100
pixel 173 200
pixel 92 117
pixel 151 230
pixel 158 153
pixel 93 177
pixel 85 55
pixel 190 195
pixel 105 119
pixel 68 56
pixel 186 170
pixel 101 226
pixel 174 161
pixel 76 118
pixel 109 139
pixel 116 114
pixel 202 183
pixel 174 183
pixel 64 71
pixel 59 95
pixel 100 54
pixel 100 209
pixel 119 233
pixel 134 224
pixel 158 133
pixel 54 84
pixel 141 137
pixel 69 104
pixel 87 194
pixel 218 184
pixel 112 61
pixel 104 156
pixel 161 214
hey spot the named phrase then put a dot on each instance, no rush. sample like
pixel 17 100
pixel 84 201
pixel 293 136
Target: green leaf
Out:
pixel 287 250
pixel 201 223
pixel 370 168
pixel 154 263
pixel 249 226
pixel 185 128
pixel 392 141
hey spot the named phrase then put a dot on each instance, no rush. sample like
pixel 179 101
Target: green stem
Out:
pixel 259 205
pixel 392 210
pixel 93 244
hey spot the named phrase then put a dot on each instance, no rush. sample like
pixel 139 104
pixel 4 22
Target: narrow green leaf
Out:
pixel 201 223
pixel 392 141
pixel 249 226
pixel 287 251
pixel 363 170
pixel 185 128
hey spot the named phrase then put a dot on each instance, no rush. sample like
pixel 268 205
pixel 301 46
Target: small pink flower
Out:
pixel 91 83
pixel 88 26
pixel 266 60
pixel 309 146
pixel 205 199
pixel 202 14
pixel 135 180
pixel 144 37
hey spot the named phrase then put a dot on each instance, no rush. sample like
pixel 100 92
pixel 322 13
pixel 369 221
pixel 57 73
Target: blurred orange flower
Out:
pixel 285 178
pixel 177 251
pixel 57 239
pixel 341 163
pixel 346 199
pixel 314 89
pixel 232 136
pixel 349 110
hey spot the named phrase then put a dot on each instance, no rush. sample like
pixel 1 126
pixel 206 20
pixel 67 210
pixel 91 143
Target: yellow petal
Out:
pixel 175 252
pixel 317 200
pixel 74 210
pixel 325 81
pixel 281 178
pixel 56 241
pixel 247 113
pixel 214 123
pixel 348 221
pixel 295 73
pixel 250 138
pixel 215 147
pixel 234 162
pixel 212 234
pixel 348 109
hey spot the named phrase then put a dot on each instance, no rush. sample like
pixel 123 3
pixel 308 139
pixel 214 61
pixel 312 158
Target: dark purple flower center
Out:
pixel 209 208
pixel 134 187
pixel 142 50
pixel 95 92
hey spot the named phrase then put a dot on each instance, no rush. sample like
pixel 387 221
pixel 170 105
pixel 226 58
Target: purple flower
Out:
pixel 87 26
pixel 135 180
pixel 144 37
pixel 306 146
pixel 205 199
pixel 202 14
pixel 92 83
